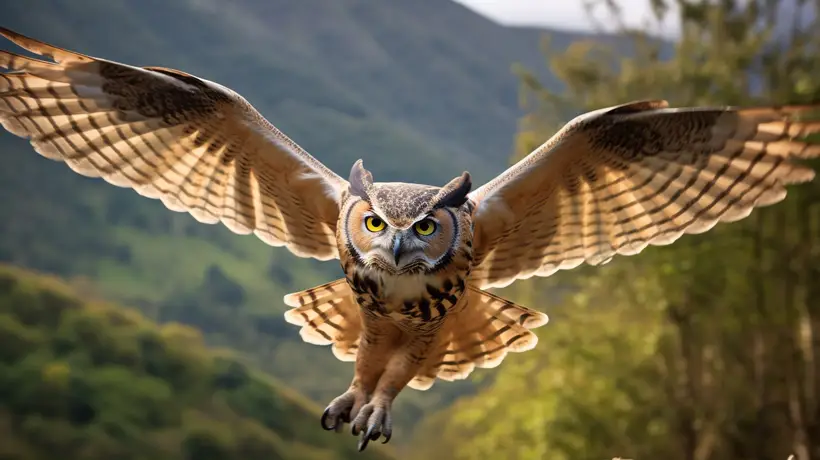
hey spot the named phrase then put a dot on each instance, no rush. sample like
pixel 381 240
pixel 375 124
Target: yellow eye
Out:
pixel 374 224
pixel 425 227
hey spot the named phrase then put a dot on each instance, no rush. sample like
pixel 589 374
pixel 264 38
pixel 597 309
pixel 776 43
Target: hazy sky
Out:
pixel 564 14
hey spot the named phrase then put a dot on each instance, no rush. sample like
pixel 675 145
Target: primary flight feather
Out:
pixel 417 259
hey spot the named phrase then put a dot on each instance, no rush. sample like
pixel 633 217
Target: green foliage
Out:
pixel 705 349
pixel 92 380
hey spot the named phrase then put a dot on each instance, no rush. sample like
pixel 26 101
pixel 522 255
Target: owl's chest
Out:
pixel 415 298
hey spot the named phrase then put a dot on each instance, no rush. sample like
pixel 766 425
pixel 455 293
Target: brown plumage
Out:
pixel 618 179
pixel 416 258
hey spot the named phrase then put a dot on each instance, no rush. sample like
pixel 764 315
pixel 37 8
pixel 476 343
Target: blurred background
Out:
pixel 128 331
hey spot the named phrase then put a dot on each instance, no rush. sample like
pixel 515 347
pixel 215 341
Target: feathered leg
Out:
pixel 376 344
pixel 407 357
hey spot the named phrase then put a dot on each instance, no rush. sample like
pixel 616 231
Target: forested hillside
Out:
pixel 382 81
pixel 91 380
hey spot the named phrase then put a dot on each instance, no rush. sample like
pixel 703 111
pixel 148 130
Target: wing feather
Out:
pixel 193 144
pixel 619 179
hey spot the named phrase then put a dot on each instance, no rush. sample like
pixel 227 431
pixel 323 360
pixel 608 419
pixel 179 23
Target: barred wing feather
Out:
pixel 193 144
pixel 618 179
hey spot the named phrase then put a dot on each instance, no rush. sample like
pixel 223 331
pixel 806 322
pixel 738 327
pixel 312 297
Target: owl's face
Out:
pixel 401 228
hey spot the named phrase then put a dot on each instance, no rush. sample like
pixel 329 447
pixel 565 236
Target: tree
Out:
pixel 703 350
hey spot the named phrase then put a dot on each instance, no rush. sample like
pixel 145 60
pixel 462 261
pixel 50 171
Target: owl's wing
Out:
pixel 197 146
pixel 618 179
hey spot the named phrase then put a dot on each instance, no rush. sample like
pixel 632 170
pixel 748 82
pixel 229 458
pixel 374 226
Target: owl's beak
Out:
pixel 397 249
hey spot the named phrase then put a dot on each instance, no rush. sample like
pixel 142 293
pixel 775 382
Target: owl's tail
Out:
pixel 479 335
pixel 328 315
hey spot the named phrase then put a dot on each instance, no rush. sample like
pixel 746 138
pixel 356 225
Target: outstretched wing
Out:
pixel 618 179
pixel 195 145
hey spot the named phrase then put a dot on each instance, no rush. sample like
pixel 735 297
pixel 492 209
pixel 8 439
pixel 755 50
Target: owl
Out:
pixel 418 260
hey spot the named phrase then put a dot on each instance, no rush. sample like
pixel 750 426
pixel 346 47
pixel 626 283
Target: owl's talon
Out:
pixel 373 421
pixel 363 443
pixel 372 434
pixel 324 420
pixel 338 412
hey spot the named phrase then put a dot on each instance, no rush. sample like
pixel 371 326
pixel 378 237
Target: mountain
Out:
pixel 420 90
pixel 97 381
pixel 346 79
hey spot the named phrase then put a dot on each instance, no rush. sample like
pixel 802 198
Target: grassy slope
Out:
pixel 104 382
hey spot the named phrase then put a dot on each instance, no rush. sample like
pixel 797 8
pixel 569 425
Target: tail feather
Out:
pixel 328 315
pixel 479 335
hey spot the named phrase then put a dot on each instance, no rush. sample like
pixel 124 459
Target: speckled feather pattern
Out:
pixel 451 332
pixel 400 203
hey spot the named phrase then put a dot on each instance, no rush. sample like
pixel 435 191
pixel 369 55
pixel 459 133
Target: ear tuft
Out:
pixel 454 194
pixel 361 180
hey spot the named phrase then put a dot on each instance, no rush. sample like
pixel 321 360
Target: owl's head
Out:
pixel 402 228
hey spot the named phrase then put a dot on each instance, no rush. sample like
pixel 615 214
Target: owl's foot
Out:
pixel 340 410
pixel 373 420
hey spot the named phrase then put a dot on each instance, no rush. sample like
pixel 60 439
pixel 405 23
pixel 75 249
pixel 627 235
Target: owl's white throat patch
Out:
pixel 397 289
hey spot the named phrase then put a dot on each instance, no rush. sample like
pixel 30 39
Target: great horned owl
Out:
pixel 417 259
